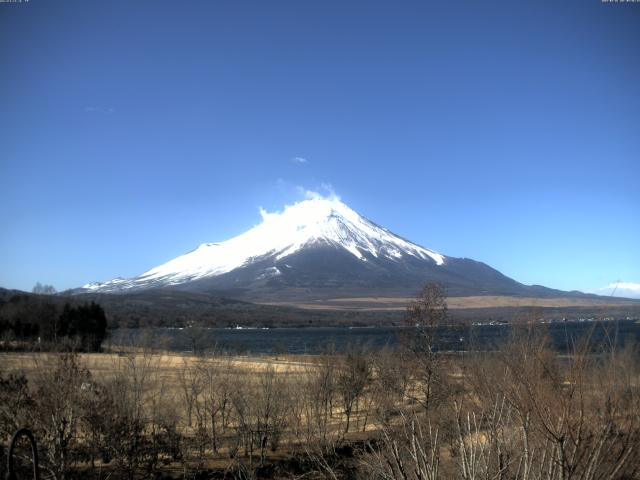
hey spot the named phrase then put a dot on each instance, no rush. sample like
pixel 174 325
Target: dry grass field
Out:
pixel 168 364
pixel 139 413
pixel 456 303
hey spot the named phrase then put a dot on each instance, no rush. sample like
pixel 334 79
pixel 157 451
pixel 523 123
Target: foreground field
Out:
pixel 408 414
pixel 167 364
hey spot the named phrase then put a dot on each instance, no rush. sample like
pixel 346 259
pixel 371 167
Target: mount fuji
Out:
pixel 319 249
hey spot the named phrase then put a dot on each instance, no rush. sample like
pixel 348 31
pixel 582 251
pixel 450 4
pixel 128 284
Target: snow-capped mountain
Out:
pixel 315 248
pixel 299 226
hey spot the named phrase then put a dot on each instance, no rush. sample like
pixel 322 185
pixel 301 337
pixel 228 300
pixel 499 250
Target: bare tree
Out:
pixel 190 383
pixel 390 382
pixel 352 378
pixel 426 313
pixel 41 289
pixel 16 404
pixel 319 386
pixel 271 410
pixel 58 409
pixel 408 451
pixel 129 415
pixel 542 417
pixel 216 381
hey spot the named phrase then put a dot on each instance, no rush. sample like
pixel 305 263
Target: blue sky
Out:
pixel 507 132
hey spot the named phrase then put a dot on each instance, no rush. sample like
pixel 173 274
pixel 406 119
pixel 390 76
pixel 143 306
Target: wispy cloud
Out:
pixel 265 215
pixel 299 160
pixel 620 289
pixel 324 191
pixel 95 109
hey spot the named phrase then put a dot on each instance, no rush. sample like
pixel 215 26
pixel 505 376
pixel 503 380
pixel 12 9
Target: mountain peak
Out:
pixel 304 225
pixel 311 211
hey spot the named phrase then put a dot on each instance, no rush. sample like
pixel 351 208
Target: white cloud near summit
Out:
pixel 325 192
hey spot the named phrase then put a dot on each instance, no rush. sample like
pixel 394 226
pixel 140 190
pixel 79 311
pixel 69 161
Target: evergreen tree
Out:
pixel 86 322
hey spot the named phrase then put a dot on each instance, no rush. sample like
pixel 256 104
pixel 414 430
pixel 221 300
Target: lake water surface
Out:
pixel 320 340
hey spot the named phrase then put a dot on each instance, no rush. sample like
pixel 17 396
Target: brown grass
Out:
pixel 167 363
pixel 455 303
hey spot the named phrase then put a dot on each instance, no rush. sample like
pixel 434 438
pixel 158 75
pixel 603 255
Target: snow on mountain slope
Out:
pixel 314 221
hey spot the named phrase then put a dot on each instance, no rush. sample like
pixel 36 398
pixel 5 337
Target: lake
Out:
pixel 320 340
